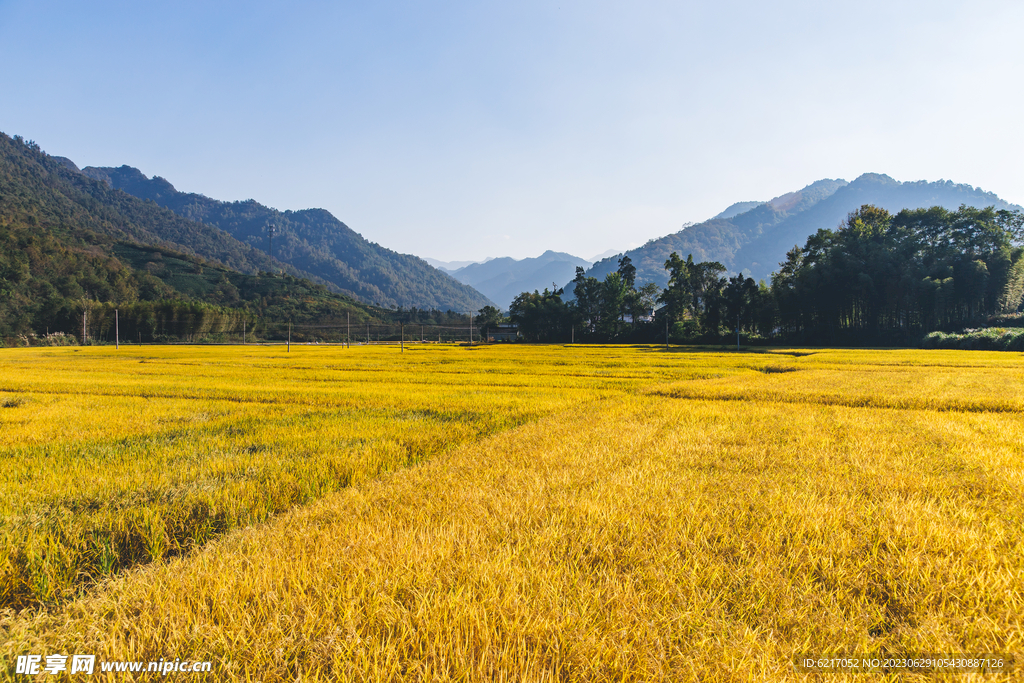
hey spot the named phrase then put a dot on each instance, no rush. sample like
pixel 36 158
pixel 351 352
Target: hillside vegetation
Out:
pixel 513 512
pixel 70 244
pixel 314 241
pixel 755 241
pixel 878 278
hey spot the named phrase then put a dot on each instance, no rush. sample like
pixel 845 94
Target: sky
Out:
pixel 462 130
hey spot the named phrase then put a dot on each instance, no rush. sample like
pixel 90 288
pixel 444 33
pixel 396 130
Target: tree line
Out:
pixel 877 278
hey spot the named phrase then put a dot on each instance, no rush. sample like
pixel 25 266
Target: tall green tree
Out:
pixel 541 316
pixel 887 277
pixel 586 308
pixel 627 271
pixel 487 318
pixel 677 296
pixel 694 291
pixel 614 297
pixel 741 299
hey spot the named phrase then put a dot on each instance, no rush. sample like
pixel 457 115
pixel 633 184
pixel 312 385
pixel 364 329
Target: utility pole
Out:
pixel 243 333
pixel 348 329
pixel 117 332
pixel 289 337
pixel 737 331
pixel 403 337
pixel 85 313
pixel 471 327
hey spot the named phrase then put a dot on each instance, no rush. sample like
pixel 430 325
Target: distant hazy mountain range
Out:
pixel 753 237
pixel 451 266
pixel 501 279
pixel 313 241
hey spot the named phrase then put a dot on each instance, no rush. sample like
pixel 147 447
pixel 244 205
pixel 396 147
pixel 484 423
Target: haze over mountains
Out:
pixel 502 279
pixel 753 237
pixel 313 241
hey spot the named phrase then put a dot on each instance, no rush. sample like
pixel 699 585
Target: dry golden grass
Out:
pixel 119 458
pixel 686 516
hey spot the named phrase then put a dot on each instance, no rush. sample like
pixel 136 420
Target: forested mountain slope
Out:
pixel 756 240
pixel 47 191
pixel 312 240
pixel 69 242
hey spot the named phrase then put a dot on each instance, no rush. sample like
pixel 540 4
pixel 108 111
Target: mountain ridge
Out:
pixel 754 241
pixel 502 279
pixel 69 243
pixel 313 240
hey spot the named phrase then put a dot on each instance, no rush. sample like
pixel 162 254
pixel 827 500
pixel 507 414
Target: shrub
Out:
pixel 988 339
pixel 58 339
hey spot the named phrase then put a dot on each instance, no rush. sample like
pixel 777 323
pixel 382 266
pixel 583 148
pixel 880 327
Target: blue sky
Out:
pixel 462 130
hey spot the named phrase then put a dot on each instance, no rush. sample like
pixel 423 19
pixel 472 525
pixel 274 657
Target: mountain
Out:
pixel 604 255
pixel 502 279
pixel 738 208
pixel 762 256
pixel 50 192
pixel 312 240
pixel 69 242
pixel 451 266
pixel 755 239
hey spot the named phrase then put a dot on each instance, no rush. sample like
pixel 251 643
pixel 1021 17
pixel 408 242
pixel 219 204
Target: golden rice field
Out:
pixel 510 513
